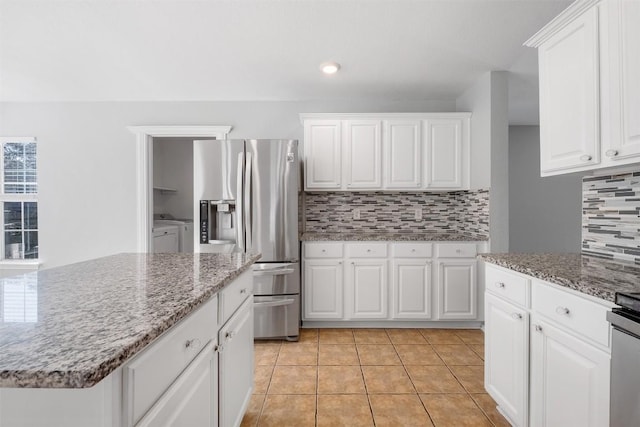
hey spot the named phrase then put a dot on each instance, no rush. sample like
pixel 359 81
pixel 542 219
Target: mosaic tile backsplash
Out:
pixel 458 211
pixel 611 216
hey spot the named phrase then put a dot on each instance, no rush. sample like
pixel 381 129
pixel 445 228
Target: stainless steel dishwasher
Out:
pixel 625 361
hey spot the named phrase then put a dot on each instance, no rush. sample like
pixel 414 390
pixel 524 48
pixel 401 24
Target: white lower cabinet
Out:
pixel 236 365
pixel 569 379
pixel 367 289
pixel 506 367
pixel 389 281
pixel 411 289
pixel 457 289
pixel 543 367
pixel 188 402
pixel 322 289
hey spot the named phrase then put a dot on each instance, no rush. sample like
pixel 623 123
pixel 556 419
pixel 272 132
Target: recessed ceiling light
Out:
pixel 330 67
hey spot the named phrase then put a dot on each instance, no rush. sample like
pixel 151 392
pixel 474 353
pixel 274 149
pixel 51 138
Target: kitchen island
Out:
pixel 103 342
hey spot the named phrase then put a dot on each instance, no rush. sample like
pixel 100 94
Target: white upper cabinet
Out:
pixel 363 154
pixel 622 125
pixel 402 151
pixel 323 153
pixel 569 96
pixel 390 151
pixel 443 153
pixel 589 90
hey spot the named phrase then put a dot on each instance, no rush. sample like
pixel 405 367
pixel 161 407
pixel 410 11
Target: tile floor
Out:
pixel 372 377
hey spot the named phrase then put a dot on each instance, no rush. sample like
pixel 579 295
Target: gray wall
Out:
pixel 544 213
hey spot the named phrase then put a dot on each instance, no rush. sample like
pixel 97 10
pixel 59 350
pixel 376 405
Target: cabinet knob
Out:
pixel 353 263
pixel 339 262
pixel 413 250
pixel 243 290
pixel 517 316
pixel 585 158
pixel 500 285
pixel 324 250
pixel 229 334
pixel 538 328
pixel 611 153
pixel 563 311
pixel 190 343
pixel 368 250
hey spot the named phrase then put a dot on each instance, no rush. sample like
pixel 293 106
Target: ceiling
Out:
pixel 224 50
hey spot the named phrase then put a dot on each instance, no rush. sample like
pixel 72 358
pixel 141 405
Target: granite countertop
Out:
pixel 69 327
pixel 397 237
pixel 587 274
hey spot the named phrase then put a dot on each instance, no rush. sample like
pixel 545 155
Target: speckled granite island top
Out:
pixel 390 237
pixel 71 326
pixel 590 275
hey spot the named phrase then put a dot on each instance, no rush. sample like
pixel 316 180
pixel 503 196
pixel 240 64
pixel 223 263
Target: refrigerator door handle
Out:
pixel 247 199
pixel 240 205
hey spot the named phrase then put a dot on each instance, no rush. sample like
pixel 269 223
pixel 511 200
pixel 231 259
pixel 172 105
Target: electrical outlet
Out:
pixel 356 213
pixel 418 214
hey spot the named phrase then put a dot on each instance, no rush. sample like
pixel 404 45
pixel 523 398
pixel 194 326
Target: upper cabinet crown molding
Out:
pixel 381 116
pixel 386 151
pixel 575 9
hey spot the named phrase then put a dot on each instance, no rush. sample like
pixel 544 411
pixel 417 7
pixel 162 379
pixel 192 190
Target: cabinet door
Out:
pixel 457 297
pixel 443 159
pixel 236 365
pixel 192 398
pixel 411 293
pixel 623 143
pixel 368 289
pixel 322 289
pixel 322 154
pixel 363 154
pixel 569 379
pixel 402 149
pixel 506 369
pixel 569 96
pixel 165 241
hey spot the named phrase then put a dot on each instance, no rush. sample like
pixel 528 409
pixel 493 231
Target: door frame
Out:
pixel 144 169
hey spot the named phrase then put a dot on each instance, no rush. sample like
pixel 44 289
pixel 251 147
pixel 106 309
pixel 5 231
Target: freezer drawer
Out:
pixel 276 278
pixel 276 316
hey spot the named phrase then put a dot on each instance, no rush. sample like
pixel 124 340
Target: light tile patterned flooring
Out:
pixel 372 377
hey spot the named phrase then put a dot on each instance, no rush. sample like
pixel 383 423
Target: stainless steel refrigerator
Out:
pixel 246 193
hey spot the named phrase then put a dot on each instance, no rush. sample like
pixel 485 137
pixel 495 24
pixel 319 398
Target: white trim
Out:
pixel 382 116
pixel 574 10
pixel 4 139
pixel 24 264
pixel 144 168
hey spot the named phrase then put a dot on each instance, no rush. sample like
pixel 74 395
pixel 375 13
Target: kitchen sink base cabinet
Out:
pixel 197 373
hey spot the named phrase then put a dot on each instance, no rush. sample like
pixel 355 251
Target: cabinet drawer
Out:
pixel 234 294
pixel 323 250
pixel 367 250
pixel 577 314
pixel 411 250
pixel 456 250
pixel 511 286
pixel 150 373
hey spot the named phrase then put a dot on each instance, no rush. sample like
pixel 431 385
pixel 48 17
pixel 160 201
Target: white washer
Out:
pixel 185 232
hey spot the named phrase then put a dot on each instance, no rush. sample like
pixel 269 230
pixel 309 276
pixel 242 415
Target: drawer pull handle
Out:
pixel 191 343
pixel 413 250
pixel 517 316
pixel 324 250
pixel 500 285
pixel 611 153
pixel 368 250
pixel 538 328
pixel 243 290
pixel 585 158
pixel 563 311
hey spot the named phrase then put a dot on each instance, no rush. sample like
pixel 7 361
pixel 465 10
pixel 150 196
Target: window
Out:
pixel 19 198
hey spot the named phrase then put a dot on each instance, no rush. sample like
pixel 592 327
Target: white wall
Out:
pixel 545 213
pixel 487 99
pixel 87 158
